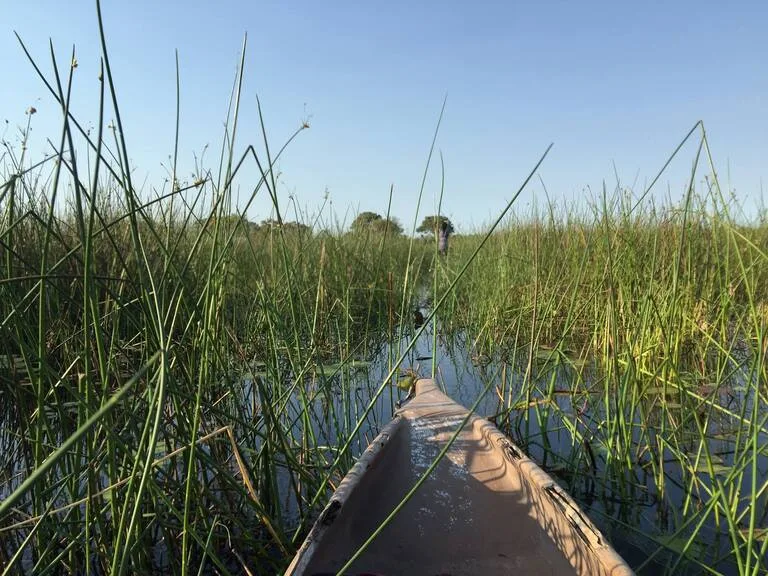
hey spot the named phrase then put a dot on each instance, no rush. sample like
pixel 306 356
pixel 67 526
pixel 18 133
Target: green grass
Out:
pixel 157 352
pixel 659 314
pixel 177 385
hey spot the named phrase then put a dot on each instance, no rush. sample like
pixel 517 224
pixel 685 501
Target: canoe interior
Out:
pixel 485 509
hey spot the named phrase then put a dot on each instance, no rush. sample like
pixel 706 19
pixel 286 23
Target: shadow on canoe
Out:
pixel 485 509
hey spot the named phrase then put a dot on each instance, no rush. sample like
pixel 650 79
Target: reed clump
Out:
pixel 640 332
pixel 164 376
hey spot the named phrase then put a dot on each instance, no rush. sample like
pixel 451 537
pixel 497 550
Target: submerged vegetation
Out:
pixel 180 389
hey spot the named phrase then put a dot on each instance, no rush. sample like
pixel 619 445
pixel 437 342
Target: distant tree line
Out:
pixel 373 222
pixel 264 226
pixel 435 224
pixel 364 223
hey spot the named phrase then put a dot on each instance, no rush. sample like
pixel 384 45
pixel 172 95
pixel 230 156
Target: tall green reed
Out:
pixel 163 358
pixel 653 316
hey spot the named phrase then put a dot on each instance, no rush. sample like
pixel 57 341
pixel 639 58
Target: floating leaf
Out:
pixel 407 382
pixel 545 354
pixel 339 366
pixel 757 534
pixel 718 468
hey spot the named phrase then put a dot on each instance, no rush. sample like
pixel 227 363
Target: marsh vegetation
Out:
pixel 181 390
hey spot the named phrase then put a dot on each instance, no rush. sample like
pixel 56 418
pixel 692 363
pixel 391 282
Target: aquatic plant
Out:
pixel 181 389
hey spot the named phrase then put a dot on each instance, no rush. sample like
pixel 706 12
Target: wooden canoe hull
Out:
pixel 485 509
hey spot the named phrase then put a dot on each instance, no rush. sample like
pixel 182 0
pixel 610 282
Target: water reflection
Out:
pixel 562 426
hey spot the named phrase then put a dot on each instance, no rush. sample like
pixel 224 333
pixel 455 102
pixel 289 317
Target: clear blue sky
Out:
pixel 607 82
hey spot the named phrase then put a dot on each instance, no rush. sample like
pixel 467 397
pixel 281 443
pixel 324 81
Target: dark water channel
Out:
pixel 649 530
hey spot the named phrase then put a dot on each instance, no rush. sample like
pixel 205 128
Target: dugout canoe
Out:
pixel 485 509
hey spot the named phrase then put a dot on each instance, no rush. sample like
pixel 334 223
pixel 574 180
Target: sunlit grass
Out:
pixel 657 316
pixel 164 360
pixel 179 386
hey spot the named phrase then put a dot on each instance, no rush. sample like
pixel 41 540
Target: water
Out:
pixel 624 501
